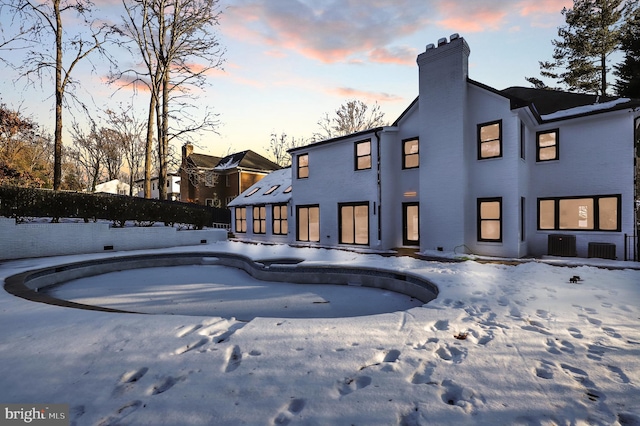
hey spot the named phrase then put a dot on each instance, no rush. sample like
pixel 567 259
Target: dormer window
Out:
pixel 270 190
pixel 253 191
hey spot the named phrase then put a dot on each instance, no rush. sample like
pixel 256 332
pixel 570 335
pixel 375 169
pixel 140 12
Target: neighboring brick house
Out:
pixel 215 181
pixel 468 169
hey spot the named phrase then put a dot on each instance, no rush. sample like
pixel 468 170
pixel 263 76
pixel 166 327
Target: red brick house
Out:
pixel 214 181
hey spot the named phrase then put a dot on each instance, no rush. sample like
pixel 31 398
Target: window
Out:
pixel 411 224
pixel 253 191
pixel 547 145
pixel 270 190
pixel 363 155
pixel 308 223
pixel 354 223
pixel 593 213
pixel 226 180
pixel 410 153
pixel 288 190
pixel 279 215
pixel 303 166
pixel 490 219
pixel 241 219
pixel 490 140
pixel 259 220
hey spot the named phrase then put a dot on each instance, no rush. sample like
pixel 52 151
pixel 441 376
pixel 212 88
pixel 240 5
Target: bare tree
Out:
pixel 176 42
pixel 49 41
pixel 279 145
pixel 129 132
pixel 352 116
pixel 88 155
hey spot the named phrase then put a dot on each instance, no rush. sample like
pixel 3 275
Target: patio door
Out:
pixel 411 224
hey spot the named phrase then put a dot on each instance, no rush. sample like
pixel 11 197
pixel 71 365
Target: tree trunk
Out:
pixel 603 64
pixel 149 146
pixel 57 151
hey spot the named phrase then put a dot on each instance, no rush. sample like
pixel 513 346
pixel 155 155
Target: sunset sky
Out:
pixel 288 62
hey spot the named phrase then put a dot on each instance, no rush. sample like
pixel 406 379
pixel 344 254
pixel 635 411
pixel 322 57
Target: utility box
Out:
pixel 562 245
pixel 602 250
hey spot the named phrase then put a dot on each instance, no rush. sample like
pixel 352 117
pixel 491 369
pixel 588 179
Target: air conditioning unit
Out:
pixel 562 245
pixel 602 250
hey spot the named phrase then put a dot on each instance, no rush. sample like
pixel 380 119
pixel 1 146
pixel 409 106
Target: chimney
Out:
pixel 187 150
pixel 442 105
pixel 447 58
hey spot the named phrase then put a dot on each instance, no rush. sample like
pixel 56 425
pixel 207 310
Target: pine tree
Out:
pixel 580 57
pixel 628 72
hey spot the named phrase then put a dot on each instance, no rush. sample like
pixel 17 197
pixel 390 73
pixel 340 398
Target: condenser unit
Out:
pixel 562 245
pixel 602 250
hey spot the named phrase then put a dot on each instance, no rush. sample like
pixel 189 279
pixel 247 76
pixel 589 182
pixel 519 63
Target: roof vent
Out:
pixel 454 36
pixel 442 41
pixel 431 46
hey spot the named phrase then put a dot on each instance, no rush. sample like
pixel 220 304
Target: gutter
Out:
pixel 379 179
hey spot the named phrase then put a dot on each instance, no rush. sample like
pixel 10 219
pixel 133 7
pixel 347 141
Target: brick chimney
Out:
pixel 187 150
pixel 443 72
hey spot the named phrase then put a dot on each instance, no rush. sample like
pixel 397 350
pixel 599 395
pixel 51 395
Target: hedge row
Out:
pixel 18 202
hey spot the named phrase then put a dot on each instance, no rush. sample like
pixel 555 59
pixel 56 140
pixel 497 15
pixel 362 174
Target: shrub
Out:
pixel 19 202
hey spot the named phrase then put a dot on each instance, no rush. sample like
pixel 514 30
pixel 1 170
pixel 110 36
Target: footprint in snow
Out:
pixel 121 413
pixel 191 346
pixel 423 373
pixel 556 347
pixel 544 370
pixel 454 394
pixel 350 384
pixel 186 330
pixel 575 333
pixel 234 358
pixel 292 409
pixel 128 379
pixel 451 353
pixel 165 384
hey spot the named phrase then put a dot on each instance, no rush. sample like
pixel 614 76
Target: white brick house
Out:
pixel 472 169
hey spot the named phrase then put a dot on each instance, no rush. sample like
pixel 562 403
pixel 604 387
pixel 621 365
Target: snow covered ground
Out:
pixel 539 350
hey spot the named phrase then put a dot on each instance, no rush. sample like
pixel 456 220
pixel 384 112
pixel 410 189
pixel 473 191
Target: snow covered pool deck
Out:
pixel 267 291
pixel 539 350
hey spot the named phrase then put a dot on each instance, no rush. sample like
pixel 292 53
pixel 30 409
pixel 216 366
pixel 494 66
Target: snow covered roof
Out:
pixel 247 160
pixel 268 190
pixel 553 105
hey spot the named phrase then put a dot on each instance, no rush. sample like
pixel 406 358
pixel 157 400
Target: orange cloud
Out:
pixel 474 17
pixel 545 7
pixel 397 55
pixel 348 92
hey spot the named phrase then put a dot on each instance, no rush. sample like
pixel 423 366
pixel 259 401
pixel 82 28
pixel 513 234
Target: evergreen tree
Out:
pixel 580 57
pixel 628 72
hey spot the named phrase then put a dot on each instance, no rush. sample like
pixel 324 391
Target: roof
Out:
pixel 246 160
pixel 337 139
pixel 553 105
pixel 281 179
pixel 204 161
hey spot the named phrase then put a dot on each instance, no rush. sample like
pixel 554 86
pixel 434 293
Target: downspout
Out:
pixel 379 188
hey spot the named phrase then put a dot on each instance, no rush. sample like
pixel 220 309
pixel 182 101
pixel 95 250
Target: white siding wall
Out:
pixel 493 177
pixel 596 158
pixel 332 180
